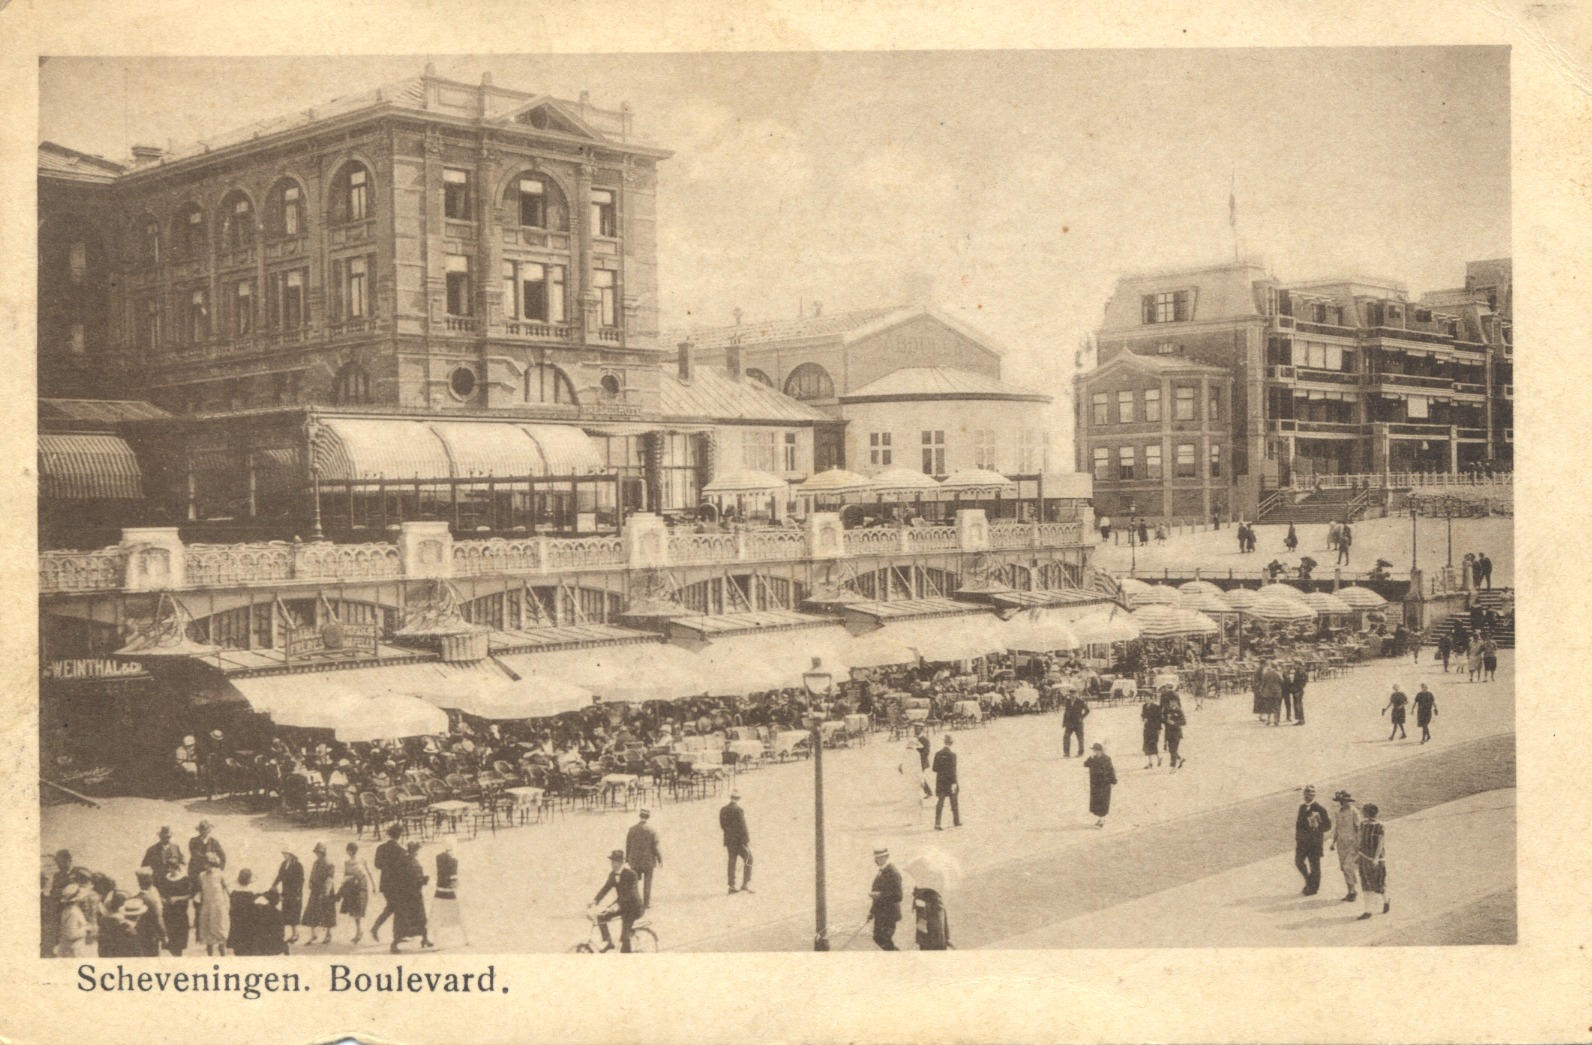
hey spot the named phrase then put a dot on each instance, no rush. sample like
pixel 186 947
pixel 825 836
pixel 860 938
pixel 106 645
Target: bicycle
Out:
pixel 643 940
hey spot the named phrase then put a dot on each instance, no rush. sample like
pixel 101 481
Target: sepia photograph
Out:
pixel 464 483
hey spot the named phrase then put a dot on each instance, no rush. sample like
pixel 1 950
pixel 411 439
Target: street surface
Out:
pixel 1202 856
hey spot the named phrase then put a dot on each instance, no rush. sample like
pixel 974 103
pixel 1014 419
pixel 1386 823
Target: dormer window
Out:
pixel 1171 306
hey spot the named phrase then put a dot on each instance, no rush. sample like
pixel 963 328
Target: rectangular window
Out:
pixel 934 453
pixel 1213 410
pixel 149 324
pixel 534 291
pixel 293 310
pixel 1334 360
pixel 79 339
pixel 458 270
pixel 533 204
pixel 677 473
pixel 357 289
pixel 1098 405
pixel 1185 461
pixel 879 450
pixel 790 452
pixel 1124 462
pixel 1170 306
pixel 1029 448
pixel 605 283
pixel 1102 464
pixel 1152 404
pixel 1125 408
pixel 78 260
pixel 358 205
pixel 757 450
pixel 198 327
pixel 290 211
pixel 1152 461
pixel 1216 461
pixel 456 194
pixel 602 213
pixel 243 308
pixel 1183 403
pixel 984 448
pixel 1419 407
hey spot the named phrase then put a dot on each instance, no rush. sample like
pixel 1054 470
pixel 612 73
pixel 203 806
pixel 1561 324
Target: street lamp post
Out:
pixel 818 683
pixel 1133 537
pixel 1415 545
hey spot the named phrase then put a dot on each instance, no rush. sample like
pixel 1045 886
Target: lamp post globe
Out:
pixel 818 683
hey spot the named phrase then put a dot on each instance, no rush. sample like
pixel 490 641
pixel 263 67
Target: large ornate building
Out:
pixel 1218 386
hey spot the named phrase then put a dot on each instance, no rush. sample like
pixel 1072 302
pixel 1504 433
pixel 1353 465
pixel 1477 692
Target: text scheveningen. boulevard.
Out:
pixel 119 979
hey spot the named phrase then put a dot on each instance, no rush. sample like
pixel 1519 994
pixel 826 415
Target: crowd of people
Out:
pixel 185 899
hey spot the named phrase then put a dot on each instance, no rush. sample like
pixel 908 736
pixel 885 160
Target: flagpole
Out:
pixel 1232 211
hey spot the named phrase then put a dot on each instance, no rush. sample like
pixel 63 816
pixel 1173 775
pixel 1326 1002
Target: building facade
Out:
pixel 1291 383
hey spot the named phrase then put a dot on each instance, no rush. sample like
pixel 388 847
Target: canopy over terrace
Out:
pixel 748 492
pixel 496 475
pixel 348 703
pixel 771 649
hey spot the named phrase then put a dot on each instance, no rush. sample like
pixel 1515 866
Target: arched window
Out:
pixel 188 232
pixel 351 194
pixel 757 375
pixel 237 221
pixel 545 383
pixel 284 210
pixel 352 385
pixel 536 203
pixel 810 381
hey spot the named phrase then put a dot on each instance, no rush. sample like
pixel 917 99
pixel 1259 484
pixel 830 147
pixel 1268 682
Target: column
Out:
pixel 580 223
pixel 1453 449
pixel 488 244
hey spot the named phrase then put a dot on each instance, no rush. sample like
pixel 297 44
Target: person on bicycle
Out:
pixel 624 882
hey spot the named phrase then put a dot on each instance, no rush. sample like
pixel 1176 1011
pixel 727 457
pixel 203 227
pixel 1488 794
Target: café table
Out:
pixel 618 783
pixel 968 709
pixel 858 724
pixel 786 742
pixel 526 799
pixel 917 714
pixel 746 750
pixel 450 809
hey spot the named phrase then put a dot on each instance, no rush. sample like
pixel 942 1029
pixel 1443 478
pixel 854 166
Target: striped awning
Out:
pixel 88 467
pixel 373 449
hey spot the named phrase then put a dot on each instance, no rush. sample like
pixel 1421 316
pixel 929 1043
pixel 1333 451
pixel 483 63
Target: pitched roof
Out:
pixel 59 413
pixel 939 382
pixel 714 395
pixel 60 162
pixel 779 329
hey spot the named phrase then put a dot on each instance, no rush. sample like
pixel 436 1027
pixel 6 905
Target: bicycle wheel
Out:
pixel 644 941
pixel 581 948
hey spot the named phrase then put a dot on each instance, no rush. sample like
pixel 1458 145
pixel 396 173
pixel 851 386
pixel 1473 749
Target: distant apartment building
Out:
pixel 1217 385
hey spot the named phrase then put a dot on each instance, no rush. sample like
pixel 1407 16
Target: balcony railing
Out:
pixel 145 563
pixel 460 324
pixel 1410 480
pixel 540 331
pixel 1336 377
pixel 608 334
pixel 1467 388
pixel 1414 380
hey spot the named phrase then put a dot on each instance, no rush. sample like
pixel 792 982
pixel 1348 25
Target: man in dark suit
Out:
pixel 737 842
pixel 201 847
pixel 885 911
pixel 1311 825
pixel 1073 711
pixel 643 855
pixel 945 785
pixel 165 855
pixel 622 881
pixel 388 855
pixel 1297 680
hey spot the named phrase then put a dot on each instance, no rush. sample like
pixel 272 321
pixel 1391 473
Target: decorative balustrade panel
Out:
pixel 1060 535
pixel 703 547
pixel 1011 535
pixel 932 539
pixel 214 565
pixel 776 544
pixel 81 571
pixel 496 556
pixel 567 553
pixel 348 562
pixel 873 542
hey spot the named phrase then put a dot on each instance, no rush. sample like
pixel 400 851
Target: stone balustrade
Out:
pixel 156 559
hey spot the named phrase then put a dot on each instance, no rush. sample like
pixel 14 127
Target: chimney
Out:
pixel 737 314
pixel 685 360
pixel 818 309
pixel 732 360
pixel 143 154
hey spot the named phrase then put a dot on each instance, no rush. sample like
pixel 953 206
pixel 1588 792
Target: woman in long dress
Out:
pixel 1102 777
pixel 213 898
pixel 408 897
pixel 1373 862
pixel 320 912
pixel 910 770
pixel 445 910
pixel 1172 721
pixel 1150 713
pixel 176 901
pixel 290 879
pixel 355 890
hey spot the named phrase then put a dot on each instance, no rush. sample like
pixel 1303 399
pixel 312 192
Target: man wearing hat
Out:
pixel 1346 840
pixel 1311 825
pixel 643 855
pixel 922 743
pixel 945 785
pixel 737 842
pixel 388 855
pixel 622 880
pixel 201 847
pixel 145 911
pixel 885 911
pixel 163 856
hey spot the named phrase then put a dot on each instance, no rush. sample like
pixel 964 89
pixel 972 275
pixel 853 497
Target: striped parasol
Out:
pixel 1199 586
pixel 1278 590
pixel 834 481
pixel 1361 598
pixel 1161 622
pixel 1280 610
pixel 1153 595
pixel 1240 599
pixel 1197 623
pixel 1106 627
pixel 1327 605
pixel 904 481
pixel 1203 602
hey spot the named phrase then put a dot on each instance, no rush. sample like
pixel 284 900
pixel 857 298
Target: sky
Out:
pixel 1018 184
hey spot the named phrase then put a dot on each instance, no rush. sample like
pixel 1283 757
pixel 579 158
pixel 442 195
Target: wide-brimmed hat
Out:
pixel 735 796
pixel 880 850
pixel 617 854
pixel 1342 796
pixel 205 825
pixel 1097 746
